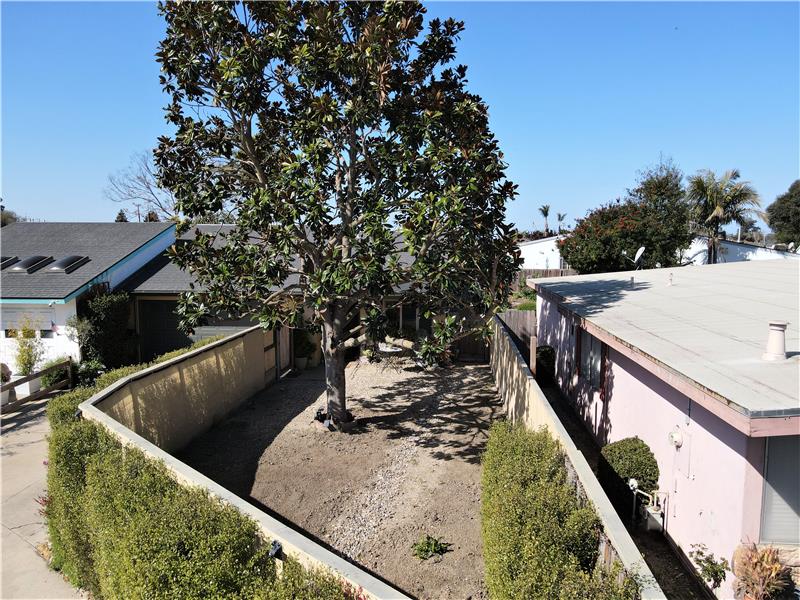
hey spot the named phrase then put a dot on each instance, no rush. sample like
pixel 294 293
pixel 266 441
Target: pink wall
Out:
pixel 714 490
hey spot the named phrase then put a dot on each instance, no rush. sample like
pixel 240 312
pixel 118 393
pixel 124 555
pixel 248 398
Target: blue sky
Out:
pixel 581 96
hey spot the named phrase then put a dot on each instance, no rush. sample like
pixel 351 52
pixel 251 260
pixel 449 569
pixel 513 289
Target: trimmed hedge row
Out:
pixel 122 527
pixel 539 542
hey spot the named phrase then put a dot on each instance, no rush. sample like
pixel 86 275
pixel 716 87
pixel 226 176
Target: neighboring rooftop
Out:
pixel 710 325
pixel 105 245
pixel 162 276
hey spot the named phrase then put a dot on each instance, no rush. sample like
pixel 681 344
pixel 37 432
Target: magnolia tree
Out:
pixel 355 160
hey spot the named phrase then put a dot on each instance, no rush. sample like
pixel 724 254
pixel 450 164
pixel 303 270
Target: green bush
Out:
pixel 151 537
pixel 121 527
pixel 181 351
pixel 527 305
pixel 106 379
pixel 631 458
pixel 57 375
pixel 102 328
pixel 62 408
pixel 538 540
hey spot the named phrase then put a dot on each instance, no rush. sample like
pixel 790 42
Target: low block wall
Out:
pixel 171 403
pixel 162 408
pixel 525 403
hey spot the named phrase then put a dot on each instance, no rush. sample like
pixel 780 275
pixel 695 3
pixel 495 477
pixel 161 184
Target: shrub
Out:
pixel 102 329
pixel 545 363
pixel 71 447
pixel 121 527
pixel 303 348
pixel 29 348
pixel 536 535
pixel 631 458
pixel 88 371
pixel 712 570
pixel 62 408
pixel 759 573
pixel 180 351
pixel 151 537
pixel 56 375
pixel 527 305
pixel 106 379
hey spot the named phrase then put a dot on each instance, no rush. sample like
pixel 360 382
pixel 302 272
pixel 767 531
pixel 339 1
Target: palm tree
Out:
pixel 545 210
pixel 560 218
pixel 718 202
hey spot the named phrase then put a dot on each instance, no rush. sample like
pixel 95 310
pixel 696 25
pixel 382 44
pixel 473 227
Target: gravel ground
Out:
pixel 412 467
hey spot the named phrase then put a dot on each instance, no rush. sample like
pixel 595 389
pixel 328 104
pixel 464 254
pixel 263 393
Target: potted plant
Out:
pixel 302 348
pixel 30 351
pixel 760 574
pixel 5 376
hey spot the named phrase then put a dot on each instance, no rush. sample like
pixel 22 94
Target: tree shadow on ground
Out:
pixel 248 432
pixel 447 411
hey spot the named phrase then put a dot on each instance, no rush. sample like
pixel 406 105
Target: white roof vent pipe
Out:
pixel 776 342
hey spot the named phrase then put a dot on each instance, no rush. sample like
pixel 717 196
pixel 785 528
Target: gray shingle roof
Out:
pixel 104 243
pixel 162 276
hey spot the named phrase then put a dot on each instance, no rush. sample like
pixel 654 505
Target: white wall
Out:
pixel 541 254
pixel 729 251
pixel 44 317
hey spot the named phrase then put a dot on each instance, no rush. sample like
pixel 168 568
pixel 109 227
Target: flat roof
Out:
pixel 710 325
pixel 105 244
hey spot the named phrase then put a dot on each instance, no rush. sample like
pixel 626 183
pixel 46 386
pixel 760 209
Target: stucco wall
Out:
pixel 524 402
pixel 44 317
pixel 541 254
pixel 712 481
pixel 170 404
pixel 729 251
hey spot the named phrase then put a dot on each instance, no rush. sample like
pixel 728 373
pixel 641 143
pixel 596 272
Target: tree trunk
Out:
pixel 333 352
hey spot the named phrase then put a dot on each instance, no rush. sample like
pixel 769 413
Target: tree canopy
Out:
pixel 784 215
pixel 720 201
pixel 360 168
pixel 655 215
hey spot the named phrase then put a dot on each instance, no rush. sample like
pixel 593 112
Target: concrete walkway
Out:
pixel 25 573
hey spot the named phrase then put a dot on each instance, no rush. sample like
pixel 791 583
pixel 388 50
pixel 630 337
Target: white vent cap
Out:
pixel 776 342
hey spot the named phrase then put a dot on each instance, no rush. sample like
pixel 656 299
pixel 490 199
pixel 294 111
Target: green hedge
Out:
pixel 631 458
pixel 121 527
pixel 539 542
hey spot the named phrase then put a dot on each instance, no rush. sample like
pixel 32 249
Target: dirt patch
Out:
pixel 412 467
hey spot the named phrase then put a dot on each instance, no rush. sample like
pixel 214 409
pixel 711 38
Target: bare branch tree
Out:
pixel 137 187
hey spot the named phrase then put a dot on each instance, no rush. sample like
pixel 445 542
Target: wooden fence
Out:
pixel 61 383
pixel 524 274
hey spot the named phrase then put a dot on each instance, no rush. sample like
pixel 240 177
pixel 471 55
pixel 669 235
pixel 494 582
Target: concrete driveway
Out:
pixel 25 573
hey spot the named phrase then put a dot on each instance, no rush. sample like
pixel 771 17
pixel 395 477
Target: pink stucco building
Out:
pixel 676 357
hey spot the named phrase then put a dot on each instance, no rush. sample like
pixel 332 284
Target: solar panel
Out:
pixel 8 260
pixel 67 264
pixel 31 264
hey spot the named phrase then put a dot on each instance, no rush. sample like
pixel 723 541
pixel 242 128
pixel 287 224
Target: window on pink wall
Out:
pixel 591 351
pixel 780 512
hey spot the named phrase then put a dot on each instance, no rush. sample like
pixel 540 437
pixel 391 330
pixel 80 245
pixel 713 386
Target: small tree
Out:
pixel 718 202
pixel 783 215
pixel 121 217
pixel 30 348
pixel 358 164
